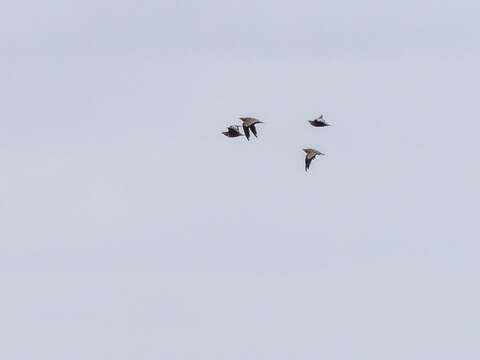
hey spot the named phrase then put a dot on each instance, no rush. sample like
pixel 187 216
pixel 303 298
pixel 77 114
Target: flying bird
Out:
pixel 249 124
pixel 233 131
pixel 319 122
pixel 311 153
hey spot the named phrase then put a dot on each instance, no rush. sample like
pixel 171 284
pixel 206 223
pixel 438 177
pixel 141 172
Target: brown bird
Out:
pixel 318 122
pixel 233 131
pixel 249 124
pixel 311 153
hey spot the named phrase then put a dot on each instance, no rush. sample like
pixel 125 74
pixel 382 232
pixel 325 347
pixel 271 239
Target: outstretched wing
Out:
pixel 308 160
pixel 254 131
pixel 247 132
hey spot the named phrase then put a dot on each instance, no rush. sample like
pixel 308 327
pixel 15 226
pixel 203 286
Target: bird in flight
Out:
pixel 311 153
pixel 233 131
pixel 318 122
pixel 249 124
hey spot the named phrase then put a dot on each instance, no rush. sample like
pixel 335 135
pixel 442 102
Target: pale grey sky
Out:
pixel 132 228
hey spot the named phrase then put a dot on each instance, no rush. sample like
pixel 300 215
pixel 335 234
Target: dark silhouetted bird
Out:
pixel 233 131
pixel 249 124
pixel 318 122
pixel 311 153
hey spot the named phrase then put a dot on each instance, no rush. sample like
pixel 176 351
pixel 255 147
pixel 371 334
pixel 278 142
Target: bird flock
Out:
pixel 249 125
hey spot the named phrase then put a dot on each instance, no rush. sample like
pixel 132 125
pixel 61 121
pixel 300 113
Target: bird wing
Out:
pixel 307 162
pixel 254 130
pixel 247 132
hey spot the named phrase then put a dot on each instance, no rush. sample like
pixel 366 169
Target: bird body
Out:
pixel 311 153
pixel 318 122
pixel 233 131
pixel 249 124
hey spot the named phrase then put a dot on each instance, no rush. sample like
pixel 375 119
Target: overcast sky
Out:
pixel 131 228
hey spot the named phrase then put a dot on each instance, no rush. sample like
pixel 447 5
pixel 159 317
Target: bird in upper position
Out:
pixel 311 153
pixel 233 131
pixel 249 124
pixel 318 122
